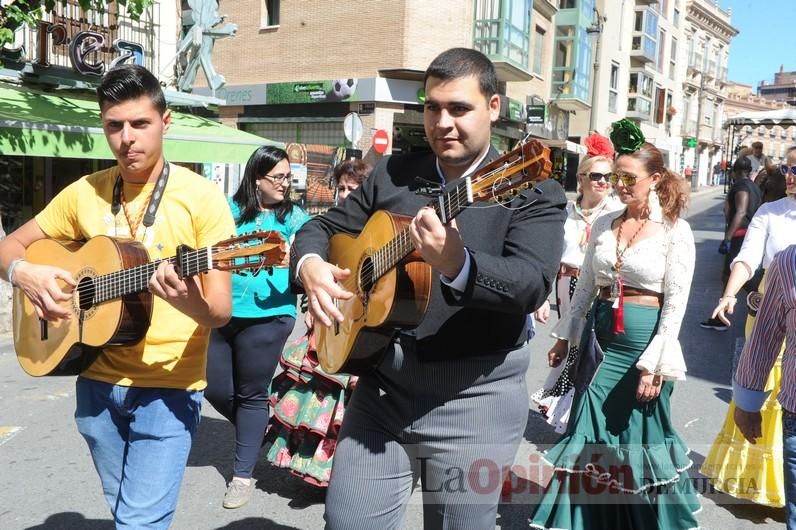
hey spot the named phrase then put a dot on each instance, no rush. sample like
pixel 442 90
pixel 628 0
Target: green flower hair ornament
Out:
pixel 626 136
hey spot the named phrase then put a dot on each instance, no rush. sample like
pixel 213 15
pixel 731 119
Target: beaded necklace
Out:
pixel 618 287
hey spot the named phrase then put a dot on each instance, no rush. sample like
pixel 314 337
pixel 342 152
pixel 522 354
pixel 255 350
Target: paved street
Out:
pixel 48 481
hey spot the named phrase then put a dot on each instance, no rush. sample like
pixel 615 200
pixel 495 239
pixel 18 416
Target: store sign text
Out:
pixel 83 48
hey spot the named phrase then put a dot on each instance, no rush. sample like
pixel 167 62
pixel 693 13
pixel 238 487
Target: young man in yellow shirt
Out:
pixel 137 405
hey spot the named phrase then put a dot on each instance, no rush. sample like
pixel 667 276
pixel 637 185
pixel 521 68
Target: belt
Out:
pixel 635 295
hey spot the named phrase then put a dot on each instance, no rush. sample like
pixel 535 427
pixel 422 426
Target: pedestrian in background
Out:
pixel 630 300
pixel 243 354
pixel 594 200
pixel 732 462
pixel 743 200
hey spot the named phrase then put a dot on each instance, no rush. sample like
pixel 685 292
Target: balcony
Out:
pixel 506 46
pixel 643 49
pixel 646 2
pixel 639 108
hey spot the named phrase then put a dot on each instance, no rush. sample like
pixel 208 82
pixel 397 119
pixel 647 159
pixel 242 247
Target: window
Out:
pixel 661 49
pixel 270 14
pixel 640 95
pixel 613 94
pixel 673 59
pixel 676 18
pixel 502 28
pixel 660 104
pixel 538 50
pixel 568 4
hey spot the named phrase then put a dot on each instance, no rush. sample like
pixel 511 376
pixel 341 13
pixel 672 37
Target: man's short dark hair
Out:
pixel 742 164
pixel 457 63
pixel 757 145
pixel 130 81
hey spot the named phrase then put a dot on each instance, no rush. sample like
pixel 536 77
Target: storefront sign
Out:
pixel 535 114
pixel 312 92
pixel 83 48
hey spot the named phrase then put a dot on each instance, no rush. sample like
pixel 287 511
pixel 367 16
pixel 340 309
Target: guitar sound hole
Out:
pixel 366 275
pixel 85 293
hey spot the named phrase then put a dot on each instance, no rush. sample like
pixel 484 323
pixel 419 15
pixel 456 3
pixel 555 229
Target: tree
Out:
pixel 16 13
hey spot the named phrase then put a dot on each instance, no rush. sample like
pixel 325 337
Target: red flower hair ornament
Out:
pixel 598 145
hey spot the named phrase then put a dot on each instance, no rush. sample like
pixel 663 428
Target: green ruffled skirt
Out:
pixel 620 465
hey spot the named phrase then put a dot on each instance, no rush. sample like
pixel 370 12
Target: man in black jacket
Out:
pixel 448 402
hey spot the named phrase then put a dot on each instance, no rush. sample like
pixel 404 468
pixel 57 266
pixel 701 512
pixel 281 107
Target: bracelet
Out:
pixel 10 270
pixel 727 297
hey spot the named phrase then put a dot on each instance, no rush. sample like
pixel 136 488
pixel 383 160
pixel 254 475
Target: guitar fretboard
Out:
pixel 447 206
pixel 135 279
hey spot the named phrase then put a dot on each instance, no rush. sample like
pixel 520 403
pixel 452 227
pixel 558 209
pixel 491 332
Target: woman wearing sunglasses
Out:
pixel 243 355
pixel 620 464
pixel 594 200
pixel 733 463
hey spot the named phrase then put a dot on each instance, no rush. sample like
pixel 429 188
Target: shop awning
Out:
pixel 566 145
pixel 49 124
pixel 766 118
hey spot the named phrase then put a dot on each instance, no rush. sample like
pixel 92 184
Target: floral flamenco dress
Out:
pixel 621 464
pixel 308 406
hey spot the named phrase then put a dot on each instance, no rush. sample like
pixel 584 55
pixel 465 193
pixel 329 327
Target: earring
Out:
pixel 654 205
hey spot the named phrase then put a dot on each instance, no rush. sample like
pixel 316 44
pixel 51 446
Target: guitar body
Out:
pixel 44 348
pixel 398 299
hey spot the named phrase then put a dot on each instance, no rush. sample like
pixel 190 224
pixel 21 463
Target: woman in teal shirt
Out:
pixel 243 355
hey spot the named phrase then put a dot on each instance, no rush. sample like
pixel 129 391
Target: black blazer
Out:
pixel 514 252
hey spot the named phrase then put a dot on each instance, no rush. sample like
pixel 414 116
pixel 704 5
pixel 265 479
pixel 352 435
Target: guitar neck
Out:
pixel 447 206
pixel 135 279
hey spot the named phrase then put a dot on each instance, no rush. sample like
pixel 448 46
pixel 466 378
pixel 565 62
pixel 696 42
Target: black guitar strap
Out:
pixel 154 200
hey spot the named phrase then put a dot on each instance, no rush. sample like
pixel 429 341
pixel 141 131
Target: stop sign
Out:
pixel 380 141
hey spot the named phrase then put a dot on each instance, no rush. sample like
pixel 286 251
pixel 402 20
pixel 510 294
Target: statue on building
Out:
pixel 196 48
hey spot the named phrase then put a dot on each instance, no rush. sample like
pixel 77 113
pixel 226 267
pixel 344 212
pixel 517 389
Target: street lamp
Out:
pixel 595 29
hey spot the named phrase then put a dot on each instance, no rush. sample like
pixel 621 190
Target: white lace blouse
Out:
pixel 663 263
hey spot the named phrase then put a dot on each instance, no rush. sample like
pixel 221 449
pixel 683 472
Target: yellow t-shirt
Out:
pixel 193 211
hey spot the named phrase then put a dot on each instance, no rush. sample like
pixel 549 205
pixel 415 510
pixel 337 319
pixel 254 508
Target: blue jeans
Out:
pixel 139 439
pixel 789 458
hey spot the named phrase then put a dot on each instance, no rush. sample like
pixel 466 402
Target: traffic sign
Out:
pixel 380 141
pixel 352 127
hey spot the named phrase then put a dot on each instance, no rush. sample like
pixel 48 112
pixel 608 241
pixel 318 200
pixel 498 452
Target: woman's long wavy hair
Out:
pixel 672 189
pixel 260 163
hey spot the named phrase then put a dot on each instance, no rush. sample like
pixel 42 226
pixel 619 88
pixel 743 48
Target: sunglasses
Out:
pixel 597 177
pixel 627 179
pixel 279 178
pixel 784 169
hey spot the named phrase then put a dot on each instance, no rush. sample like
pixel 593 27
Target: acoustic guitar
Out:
pixel 110 304
pixel 390 282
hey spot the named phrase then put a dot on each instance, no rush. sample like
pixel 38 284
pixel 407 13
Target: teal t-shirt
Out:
pixel 265 295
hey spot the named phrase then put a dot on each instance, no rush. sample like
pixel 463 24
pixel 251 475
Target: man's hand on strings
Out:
pixel 440 245
pixel 321 283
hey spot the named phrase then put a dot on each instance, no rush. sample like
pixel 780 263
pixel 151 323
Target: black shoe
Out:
pixel 715 324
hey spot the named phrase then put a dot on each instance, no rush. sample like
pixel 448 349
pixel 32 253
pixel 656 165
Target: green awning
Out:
pixel 47 124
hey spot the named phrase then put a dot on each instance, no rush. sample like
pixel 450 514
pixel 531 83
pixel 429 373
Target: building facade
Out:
pixel 295 70
pixel 639 73
pixel 782 89
pixel 707 43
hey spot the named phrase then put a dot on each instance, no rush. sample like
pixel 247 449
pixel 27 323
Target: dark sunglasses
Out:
pixel 597 177
pixel 784 169
pixel 627 179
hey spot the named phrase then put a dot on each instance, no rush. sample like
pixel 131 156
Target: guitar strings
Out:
pixel 369 268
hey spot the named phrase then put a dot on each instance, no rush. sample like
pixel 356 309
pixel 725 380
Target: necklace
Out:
pixel 262 217
pixel 134 225
pixel 621 253
pixel 586 215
